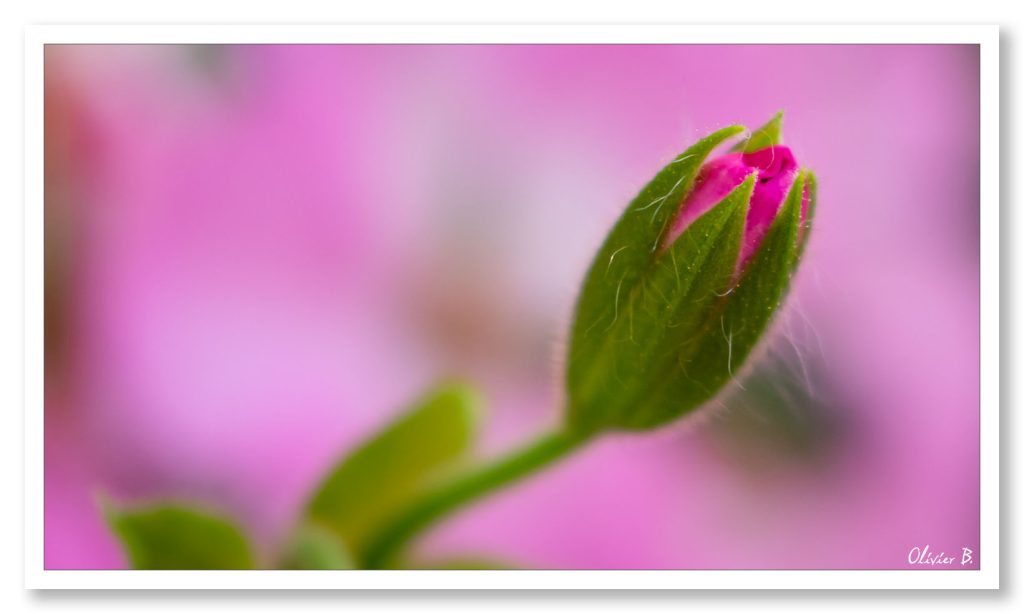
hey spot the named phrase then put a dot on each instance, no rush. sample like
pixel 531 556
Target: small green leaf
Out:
pixel 659 322
pixel 179 537
pixel 316 547
pixel 766 136
pixel 373 482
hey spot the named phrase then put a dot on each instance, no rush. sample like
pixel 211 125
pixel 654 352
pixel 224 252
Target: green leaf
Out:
pixel 659 322
pixel 316 547
pixel 625 259
pixel 766 136
pixel 371 484
pixel 177 537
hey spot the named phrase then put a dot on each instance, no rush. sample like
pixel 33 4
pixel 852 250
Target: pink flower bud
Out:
pixel 776 170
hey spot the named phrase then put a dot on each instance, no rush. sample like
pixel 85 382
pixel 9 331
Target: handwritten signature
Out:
pixel 924 556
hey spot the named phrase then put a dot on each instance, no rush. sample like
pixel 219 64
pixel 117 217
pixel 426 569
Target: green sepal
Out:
pixel 657 324
pixel 625 258
pixel 175 536
pixel 811 189
pixel 743 314
pixel 372 483
pixel 766 136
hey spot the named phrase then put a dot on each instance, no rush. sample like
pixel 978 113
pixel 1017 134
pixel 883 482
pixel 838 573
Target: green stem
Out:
pixel 475 483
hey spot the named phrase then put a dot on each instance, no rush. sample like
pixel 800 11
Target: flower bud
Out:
pixel 776 170
pixel 687 282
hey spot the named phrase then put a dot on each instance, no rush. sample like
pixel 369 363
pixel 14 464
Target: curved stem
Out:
pixel 476 482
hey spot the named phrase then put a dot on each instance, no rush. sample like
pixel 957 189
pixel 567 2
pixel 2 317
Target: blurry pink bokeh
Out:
pixel 258 255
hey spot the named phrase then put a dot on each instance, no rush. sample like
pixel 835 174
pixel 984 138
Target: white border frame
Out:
pixel 36 577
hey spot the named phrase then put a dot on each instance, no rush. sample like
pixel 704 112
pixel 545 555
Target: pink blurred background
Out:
pixel 257 255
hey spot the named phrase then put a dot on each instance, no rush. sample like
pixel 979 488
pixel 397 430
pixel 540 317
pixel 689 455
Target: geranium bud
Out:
pixel 776 170
pixel 687 282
